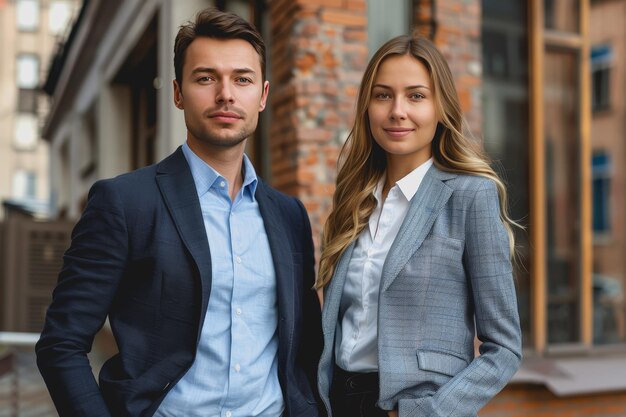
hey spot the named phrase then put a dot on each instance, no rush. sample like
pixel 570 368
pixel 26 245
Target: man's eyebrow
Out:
pixel 243 70
pixel 203 69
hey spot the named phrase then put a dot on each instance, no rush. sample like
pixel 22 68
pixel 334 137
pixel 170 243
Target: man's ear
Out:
pixel 266 89
pixel 178 96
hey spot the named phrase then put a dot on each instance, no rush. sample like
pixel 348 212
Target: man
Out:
pixel 204 271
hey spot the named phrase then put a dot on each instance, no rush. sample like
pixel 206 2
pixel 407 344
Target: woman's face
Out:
pixel 401 111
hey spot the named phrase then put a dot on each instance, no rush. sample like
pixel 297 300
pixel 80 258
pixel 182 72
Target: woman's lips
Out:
pixel 398 132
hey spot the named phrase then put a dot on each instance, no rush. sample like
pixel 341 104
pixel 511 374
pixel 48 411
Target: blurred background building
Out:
pixel 542 83
pixel 30 30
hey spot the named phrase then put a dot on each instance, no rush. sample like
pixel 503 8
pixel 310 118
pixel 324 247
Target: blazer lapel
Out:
pixel 426 205
pixel 333 292
pixel 179 192
pixel 283 264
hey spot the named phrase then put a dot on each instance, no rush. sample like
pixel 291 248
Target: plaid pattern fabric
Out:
pixel 447 277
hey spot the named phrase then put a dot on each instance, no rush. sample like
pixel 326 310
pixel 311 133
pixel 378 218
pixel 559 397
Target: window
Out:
pixel 385 22
pixel 608 269
pixel 25 135
pixel 601 60
pixel 601 170
pixel 563 195
pixel 24 184
pixel 505 104
pixel 535 104
pixel 562 15
pixel 59 16
pixel 27 14
pixel 27 71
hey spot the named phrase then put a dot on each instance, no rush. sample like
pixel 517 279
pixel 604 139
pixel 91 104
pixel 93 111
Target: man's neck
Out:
pixel 226 161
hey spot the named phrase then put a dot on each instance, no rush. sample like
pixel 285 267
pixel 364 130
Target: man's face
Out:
pixel 222 91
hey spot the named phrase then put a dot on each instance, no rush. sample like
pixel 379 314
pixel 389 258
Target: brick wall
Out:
pixel 456 26
pixel 525 400
pixel 319 53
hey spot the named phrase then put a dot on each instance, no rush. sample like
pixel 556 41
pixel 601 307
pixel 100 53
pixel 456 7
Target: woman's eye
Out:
pixel 416 96
pixel 382 96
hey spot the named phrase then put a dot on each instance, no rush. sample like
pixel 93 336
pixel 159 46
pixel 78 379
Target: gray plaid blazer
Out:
pixel 447 277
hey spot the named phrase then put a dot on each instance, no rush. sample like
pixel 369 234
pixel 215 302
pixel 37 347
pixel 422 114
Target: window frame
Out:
pixel 541 40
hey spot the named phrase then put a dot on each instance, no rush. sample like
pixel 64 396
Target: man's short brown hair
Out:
pixel 213 23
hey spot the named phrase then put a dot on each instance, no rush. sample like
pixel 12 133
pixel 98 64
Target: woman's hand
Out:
pixel 392 413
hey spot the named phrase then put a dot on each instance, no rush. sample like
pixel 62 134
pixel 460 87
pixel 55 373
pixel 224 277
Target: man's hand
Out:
pixel 392 413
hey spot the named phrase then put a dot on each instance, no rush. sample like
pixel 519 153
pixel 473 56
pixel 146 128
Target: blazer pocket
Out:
pixel 440 362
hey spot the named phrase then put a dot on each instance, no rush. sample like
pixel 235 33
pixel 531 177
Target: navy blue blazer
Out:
pixel 140 255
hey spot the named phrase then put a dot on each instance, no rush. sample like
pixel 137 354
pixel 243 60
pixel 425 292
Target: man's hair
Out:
pixel 213 23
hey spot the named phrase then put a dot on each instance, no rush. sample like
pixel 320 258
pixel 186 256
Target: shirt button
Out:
pixel 238 311
pixel 223 184
pixel 237 367
pixel 229 413
pixel 238 259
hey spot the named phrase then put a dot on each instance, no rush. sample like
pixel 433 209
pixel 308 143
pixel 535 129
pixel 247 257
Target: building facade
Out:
pixel 29 32
pixel 539 82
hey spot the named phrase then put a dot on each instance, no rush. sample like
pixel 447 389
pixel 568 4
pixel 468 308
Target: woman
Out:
pixel 416 256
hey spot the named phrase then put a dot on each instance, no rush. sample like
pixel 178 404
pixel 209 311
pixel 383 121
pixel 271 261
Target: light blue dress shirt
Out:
pixel 235 373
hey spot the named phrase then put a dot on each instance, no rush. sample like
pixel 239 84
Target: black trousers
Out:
pixel 355 394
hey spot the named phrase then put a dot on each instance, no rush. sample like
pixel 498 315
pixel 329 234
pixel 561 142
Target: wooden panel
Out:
pixel 586 178
pixel 537 178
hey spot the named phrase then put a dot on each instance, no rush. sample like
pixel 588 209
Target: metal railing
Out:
pixel 18 375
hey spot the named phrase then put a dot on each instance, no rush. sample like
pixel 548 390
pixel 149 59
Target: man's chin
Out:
pixel 221 141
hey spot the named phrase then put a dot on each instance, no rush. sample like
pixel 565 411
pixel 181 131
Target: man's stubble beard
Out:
pixel 206 137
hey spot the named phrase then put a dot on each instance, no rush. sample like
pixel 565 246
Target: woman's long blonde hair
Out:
pixel 363 162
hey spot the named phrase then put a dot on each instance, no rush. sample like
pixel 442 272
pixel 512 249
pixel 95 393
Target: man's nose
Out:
pixel 225 93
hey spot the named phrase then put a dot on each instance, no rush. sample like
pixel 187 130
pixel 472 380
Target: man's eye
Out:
pixel 244 80
pixel 205 79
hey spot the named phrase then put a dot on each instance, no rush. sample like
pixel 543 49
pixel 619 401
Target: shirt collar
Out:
pixel 408 184
pixel 411 182
pixel 204 176
pixel 250 180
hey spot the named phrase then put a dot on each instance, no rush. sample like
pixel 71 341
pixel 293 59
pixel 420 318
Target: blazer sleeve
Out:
pixel 312 343
pixel 92 268
pixel 489 272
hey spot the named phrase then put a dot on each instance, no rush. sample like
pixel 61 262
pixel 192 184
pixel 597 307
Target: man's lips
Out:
pixel 225 116
pixel 398 132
